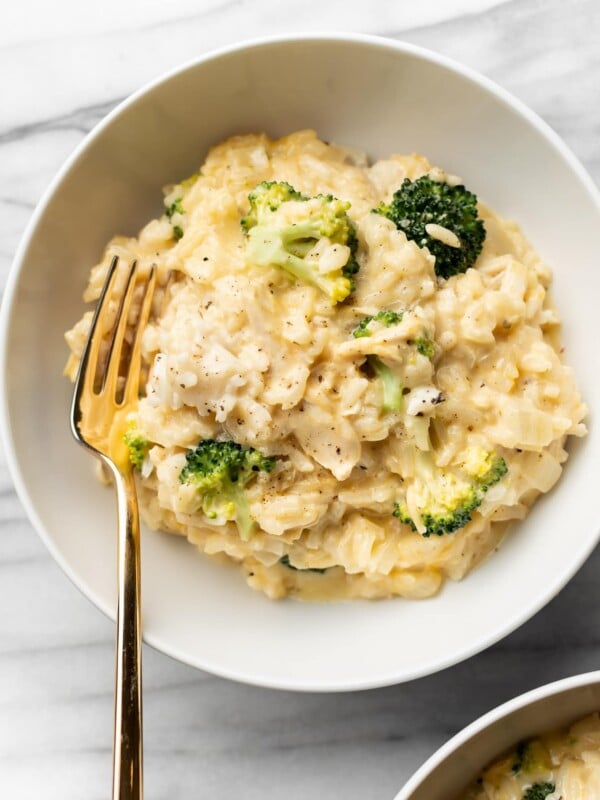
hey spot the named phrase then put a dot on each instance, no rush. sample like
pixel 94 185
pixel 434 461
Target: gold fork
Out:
pixel 107 385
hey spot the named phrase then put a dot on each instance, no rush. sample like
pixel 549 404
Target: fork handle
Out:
pixel 127 753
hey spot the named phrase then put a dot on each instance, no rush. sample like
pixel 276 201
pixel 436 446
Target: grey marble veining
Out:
pixel 62 67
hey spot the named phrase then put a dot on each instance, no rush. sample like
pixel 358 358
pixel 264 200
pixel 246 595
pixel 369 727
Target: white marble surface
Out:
pixel 62 67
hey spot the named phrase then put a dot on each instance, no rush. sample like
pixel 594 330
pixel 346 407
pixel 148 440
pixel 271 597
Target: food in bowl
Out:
pixel 562 765
pixel 355 380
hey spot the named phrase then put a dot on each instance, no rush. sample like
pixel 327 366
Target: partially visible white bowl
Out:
pixel 450 770
pixel 362 91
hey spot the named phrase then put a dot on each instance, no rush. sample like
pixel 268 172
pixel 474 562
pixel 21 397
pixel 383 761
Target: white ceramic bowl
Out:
pixel 368 92
pixel 450 770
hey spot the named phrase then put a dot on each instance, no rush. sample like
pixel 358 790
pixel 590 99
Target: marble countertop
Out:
pixel 62 67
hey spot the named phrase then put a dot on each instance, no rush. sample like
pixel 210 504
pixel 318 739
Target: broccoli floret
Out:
pixel 138 447
pixel 425 346
pixel 446 496
pixel 423 202
pixel 539 791
pixel 391 383
pixel 496 471
pixel 485 467
pixel 265 199
pixel 386 318
pixel 447 505
pixel 220 471
pixel 520 752
pixel 174 210
pixel 288 230
pixel 530 756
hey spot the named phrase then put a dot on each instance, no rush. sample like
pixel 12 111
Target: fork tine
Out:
pixel 132 381
pixel 89 358
pixel 115 349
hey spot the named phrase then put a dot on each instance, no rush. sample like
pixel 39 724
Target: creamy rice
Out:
pixel 562 765
pixel 242 352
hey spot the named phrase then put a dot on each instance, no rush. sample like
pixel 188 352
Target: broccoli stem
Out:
pixel 268 246
pixel 391 384
pixel 244 520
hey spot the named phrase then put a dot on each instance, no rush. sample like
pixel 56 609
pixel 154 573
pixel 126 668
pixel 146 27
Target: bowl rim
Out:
pixel 7 311
pixel 489 718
